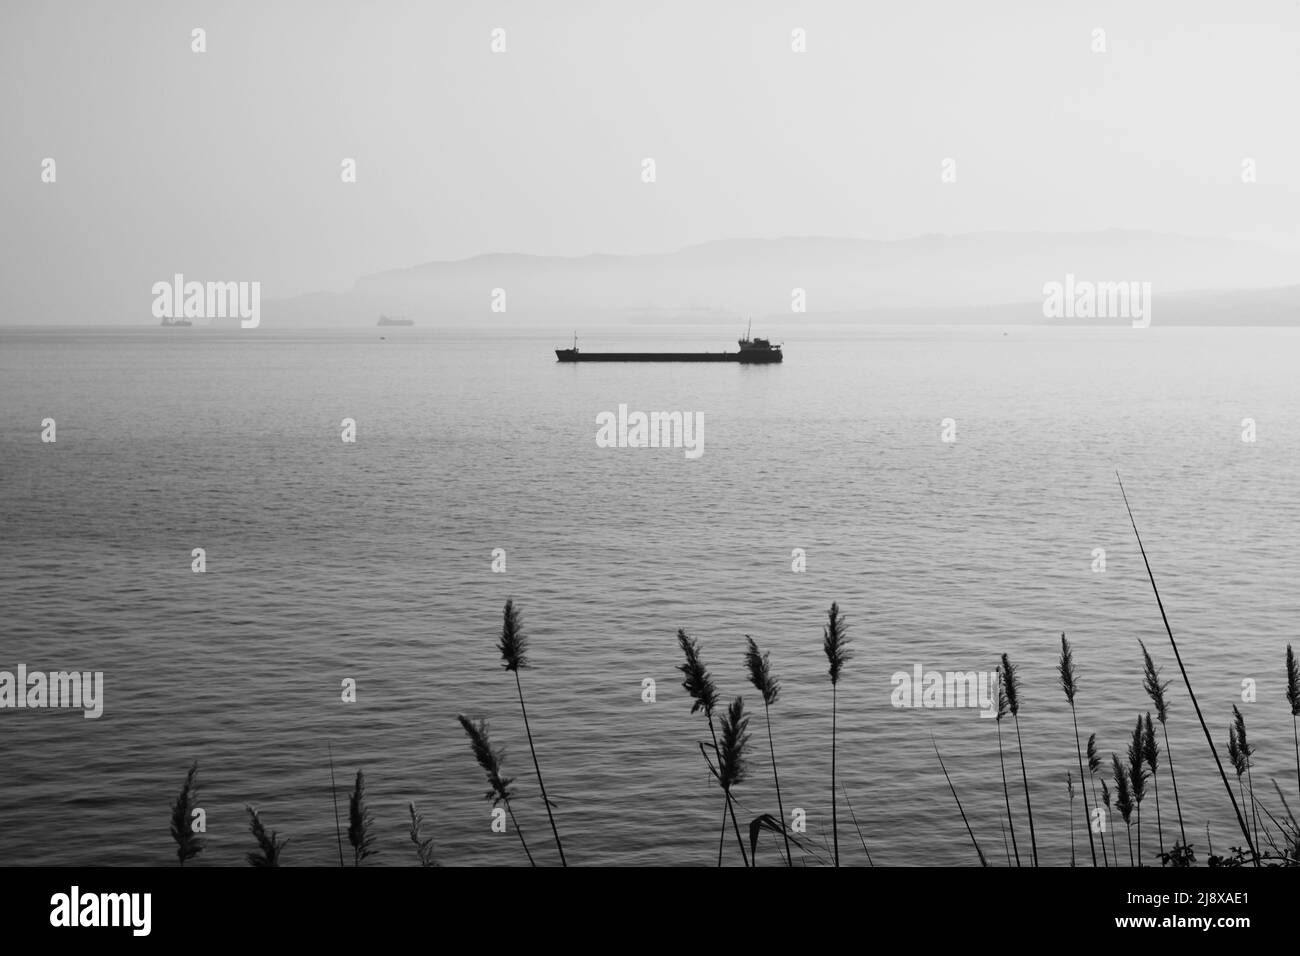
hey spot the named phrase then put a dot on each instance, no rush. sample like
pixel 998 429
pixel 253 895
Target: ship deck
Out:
pixel 765 358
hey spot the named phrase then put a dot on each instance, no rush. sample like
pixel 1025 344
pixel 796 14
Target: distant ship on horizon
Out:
pixel 395 320
pixel 752 352
pixel 176 323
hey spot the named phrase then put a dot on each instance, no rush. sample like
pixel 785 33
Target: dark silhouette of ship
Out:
pixel 389 320
pixel 752 352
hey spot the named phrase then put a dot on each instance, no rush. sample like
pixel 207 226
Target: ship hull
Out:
pixel 741 358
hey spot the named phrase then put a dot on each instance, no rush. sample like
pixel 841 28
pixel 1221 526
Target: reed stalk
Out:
pixel 969 831
pixel 760 675
pixel 1003 710
pixel 1246 751
pixel 704 696
pixel 1137 778
pixel 1123 801
pixel 514 650
pixel 1235 758
pixel 854 817
pixel 1013 702
pixel 1151 754
pixel 1094 764
pixel 732 765
pixel 1241 821
pixel 490 760
pixel 1155 689
pixel 1105 797
pixel 1069 684
pixel 1293 698
pixel 1069 787
pixel 835 643
pixel 334 795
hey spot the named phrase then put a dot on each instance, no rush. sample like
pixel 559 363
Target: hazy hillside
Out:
pixel 933 278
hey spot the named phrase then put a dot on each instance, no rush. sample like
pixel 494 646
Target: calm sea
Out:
pixel 372 561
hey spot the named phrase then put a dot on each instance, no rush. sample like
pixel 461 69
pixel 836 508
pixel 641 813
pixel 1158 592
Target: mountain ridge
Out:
pixel 954 274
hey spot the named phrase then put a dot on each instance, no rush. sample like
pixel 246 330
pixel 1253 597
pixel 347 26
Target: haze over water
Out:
pixel 372 561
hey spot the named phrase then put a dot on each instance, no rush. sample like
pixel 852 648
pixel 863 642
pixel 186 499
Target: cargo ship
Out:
pixel 395 320
pixel 752 352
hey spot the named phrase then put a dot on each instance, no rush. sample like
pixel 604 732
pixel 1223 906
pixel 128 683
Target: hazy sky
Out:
pixel 226 164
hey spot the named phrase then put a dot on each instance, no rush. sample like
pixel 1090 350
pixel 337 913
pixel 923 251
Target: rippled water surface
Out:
pixel 372 561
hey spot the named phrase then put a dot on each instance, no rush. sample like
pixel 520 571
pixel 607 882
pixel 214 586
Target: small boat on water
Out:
pixel 752 352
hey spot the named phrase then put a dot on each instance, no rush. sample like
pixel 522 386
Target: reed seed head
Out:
pixel 731 747
pixel 760 673
pixel 1011 684
pixel 1066 669
pixel 697 681
pixel 1234 751
pixel 1094 759
pixel 268 845
pixel 1123 796
pixel 423 844
pixel 514 643
pixel 835 642
pixel 1292 682
pixel 188 843
pixel 488 758
pixel 360 823
pixel 1153 685
pixel 1150 749
pixel 1137 771
pixel 1247 751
